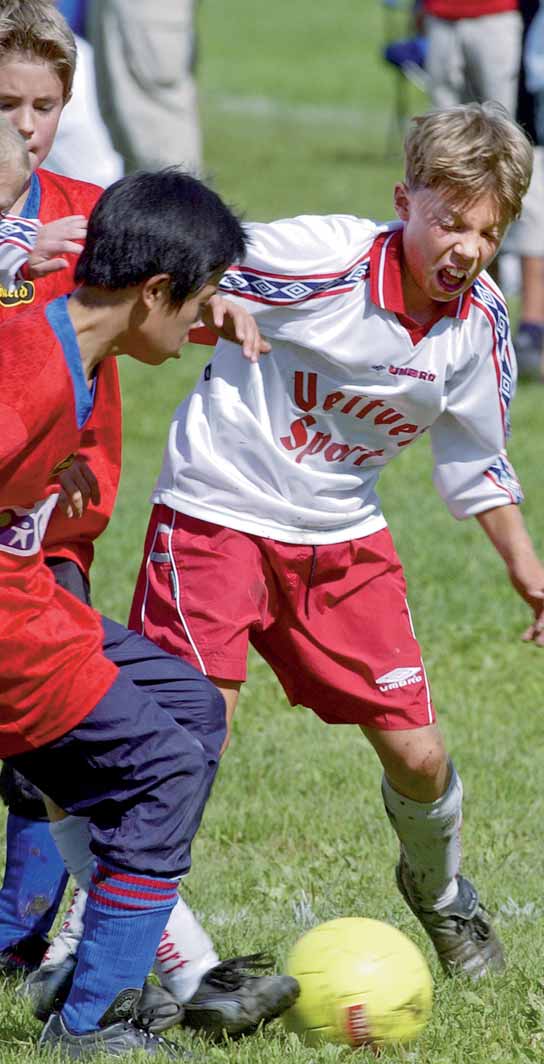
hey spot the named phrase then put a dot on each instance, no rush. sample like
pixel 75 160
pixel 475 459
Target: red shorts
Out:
pixel 332 620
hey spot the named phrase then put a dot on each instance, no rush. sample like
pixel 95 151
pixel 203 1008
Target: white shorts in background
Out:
pixel 526 236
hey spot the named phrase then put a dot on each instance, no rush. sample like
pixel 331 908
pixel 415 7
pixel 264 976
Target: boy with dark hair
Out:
pixel 379 333
pixel 115 731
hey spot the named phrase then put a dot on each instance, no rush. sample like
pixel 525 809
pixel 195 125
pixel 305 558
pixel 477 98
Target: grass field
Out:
pixel 297 115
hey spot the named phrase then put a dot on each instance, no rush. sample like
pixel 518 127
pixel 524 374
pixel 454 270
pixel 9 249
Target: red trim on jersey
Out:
pixel 386 290
pixel 496 362
pixel 498 484
pixel 298 276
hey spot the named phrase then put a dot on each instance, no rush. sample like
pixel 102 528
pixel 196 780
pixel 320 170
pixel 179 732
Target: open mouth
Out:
pixel 451 279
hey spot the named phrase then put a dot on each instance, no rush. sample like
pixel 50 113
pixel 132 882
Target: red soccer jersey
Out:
pixel 455 9
pixel 53 669
pixel 53 196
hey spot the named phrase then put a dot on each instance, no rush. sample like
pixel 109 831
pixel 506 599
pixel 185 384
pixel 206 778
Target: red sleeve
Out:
pixel 13 433
pixel 59 197
pixel 201 334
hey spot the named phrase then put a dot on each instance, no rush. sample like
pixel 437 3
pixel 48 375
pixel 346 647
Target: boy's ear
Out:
pixel 401 200
pixel 154 289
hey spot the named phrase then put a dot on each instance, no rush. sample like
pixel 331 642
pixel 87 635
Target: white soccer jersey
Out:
pixel 291 448
pixel 17 239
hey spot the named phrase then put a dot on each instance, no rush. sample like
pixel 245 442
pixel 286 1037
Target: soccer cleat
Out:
pixel 231 1001
pixel 23 956
pixel 157 1009
pixel 119 1034
pixel 47 988
pixel 461 933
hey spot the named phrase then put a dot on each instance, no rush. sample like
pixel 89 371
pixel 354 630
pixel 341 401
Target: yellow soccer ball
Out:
pixel 362 982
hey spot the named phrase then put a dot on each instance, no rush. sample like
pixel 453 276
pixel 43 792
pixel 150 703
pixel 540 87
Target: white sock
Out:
pixel 185 953
pixel 72 838
pixel 430 838
pixel 66 942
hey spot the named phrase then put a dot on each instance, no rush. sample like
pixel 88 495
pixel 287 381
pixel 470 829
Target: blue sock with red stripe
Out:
pixel 34 880
pixel 125 916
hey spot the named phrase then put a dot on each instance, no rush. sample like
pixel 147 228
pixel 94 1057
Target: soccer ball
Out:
pixel 362 982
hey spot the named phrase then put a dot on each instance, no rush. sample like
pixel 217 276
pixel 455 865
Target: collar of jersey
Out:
pixel 386 284
pixel 57 315
pixel 31 208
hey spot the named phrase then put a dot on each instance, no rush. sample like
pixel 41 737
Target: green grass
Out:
pixel 297 115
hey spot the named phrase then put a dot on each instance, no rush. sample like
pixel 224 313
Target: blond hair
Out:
pixel 35 29
pixel 470 151
pixel 13 149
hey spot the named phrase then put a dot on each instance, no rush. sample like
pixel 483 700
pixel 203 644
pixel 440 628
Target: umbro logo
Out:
pixel 399 678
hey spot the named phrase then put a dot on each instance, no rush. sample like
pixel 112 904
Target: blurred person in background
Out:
pixel 473 51
pixel 145 59
pixel 82 147
pixel 527 236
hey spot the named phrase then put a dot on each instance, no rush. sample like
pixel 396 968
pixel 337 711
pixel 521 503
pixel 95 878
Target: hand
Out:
pixel 528 579
pixel 235 324
pixel 79 487
pixel 63 237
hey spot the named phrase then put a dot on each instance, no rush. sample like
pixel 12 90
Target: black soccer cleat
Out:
pixel 119 1034
pixel 232 1001
pixel 24 956
pixel 461 933
pixel 157 1009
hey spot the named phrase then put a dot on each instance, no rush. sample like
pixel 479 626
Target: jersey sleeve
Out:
pixel 17 239
pixel 13 436
pixel 291 264
pixel 472 471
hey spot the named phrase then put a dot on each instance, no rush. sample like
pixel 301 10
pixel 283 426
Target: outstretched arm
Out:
pixel 506 529
pixel 234 323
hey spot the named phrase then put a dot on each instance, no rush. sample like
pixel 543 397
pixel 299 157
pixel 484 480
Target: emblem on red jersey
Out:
pixel 22 292
pixel 22 531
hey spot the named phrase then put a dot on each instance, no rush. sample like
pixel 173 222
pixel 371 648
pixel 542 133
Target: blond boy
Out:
pixel 380 333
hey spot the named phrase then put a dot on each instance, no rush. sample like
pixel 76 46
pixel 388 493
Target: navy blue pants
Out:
pixel 142 763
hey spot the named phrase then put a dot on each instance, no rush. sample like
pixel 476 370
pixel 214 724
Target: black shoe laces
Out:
pixel 231 973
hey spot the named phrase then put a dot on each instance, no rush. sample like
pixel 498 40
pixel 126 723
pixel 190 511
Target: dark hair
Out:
pixel 159 222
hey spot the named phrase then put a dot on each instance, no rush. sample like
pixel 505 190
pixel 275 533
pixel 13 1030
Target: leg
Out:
pixel 144 57
pixel 444 63
pixel 151 779
pixel 526 237
pixel 423 795
pixel 358 587
pixel 35 877
pixel 230 689
pixel 492 47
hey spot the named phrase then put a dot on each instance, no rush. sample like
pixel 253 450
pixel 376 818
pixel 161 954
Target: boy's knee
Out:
pixel 425 762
